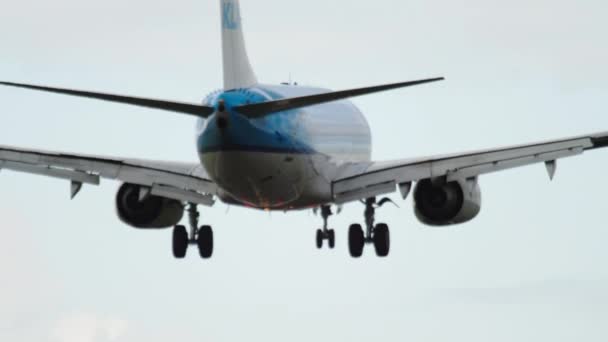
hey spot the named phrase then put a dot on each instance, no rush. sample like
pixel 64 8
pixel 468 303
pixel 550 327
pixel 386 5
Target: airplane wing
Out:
pixel 179 181
pixel 355 181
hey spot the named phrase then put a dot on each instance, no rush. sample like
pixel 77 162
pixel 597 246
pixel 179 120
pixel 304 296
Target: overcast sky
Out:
pixel 531 267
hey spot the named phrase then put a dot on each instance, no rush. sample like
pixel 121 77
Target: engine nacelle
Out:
pixel 447 203
pixel 152 213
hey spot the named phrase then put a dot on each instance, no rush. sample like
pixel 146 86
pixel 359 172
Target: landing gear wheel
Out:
pixel 319 239
pixel 382 239
pixel 356 240
pixel 331 238
pixel 180 242
pixel 204 241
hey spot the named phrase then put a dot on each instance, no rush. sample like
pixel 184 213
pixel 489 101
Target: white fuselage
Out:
pixel 284 160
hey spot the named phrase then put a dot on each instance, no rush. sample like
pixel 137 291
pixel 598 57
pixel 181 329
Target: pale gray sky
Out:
pixel 531 267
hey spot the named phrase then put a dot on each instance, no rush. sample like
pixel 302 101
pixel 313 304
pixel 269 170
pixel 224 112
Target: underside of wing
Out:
pixel 187 182
pixel 362 180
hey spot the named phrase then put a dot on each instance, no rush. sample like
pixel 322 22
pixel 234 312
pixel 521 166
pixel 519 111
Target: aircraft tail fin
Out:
pixel 237 69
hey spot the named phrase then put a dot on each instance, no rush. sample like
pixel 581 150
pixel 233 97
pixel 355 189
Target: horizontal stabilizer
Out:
pixel 178 107
pixel 262 109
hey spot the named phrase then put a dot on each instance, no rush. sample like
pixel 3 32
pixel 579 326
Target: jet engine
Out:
pixel 443 204
pixel 152 212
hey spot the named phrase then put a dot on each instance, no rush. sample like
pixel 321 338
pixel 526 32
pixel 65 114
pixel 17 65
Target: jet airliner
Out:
pixel 282 147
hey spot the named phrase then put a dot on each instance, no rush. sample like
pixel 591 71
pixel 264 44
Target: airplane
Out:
pixel 283 147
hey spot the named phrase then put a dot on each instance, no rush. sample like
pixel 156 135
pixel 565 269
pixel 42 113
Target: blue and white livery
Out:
pixel 283 147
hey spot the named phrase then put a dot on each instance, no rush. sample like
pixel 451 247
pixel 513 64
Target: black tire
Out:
pixel 356 240
pixel 331 238
pixel 382 239
pixel 204 240
pixel 319 239
pixel 180 242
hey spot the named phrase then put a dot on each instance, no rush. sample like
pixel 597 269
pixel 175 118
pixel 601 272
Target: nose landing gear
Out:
pixel 202 237
pixel 325 233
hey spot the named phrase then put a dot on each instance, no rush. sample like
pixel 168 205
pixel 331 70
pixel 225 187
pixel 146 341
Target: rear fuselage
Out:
pixel 280 161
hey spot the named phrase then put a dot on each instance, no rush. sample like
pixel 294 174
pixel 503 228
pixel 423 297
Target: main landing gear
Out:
pixel 376 234
pixel 202 237
pixel 379 234
pixel 326 234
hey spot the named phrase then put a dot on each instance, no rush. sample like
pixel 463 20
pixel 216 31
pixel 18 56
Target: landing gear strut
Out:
pixel 379 234
pixel 325 233
pixel 202 237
